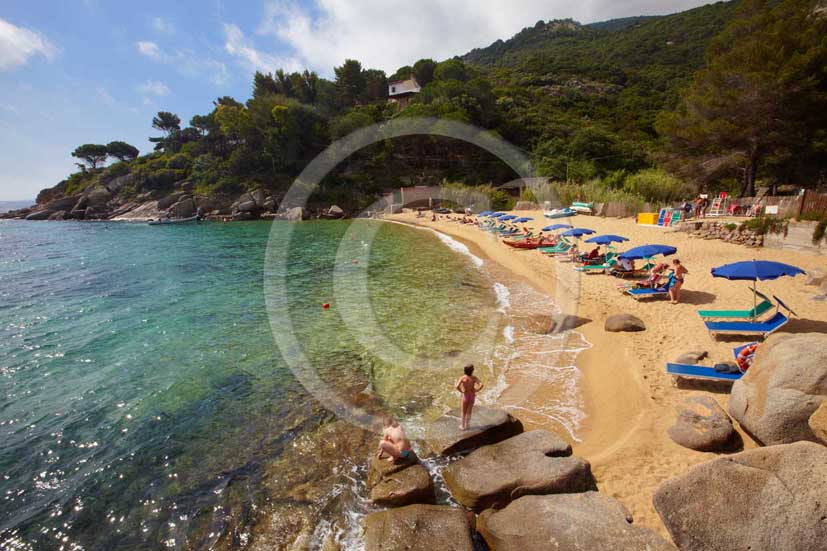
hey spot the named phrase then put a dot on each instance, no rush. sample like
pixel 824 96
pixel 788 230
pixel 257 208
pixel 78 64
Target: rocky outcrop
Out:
pixel 418 528
pixel 333 213
pixel 403 482
pixel 818 423
pixel 624 323
pixel 762 499
pixel 184 208
pixel 702 425
pixel 548 324
pixel 98 197
pixel 566 522
pixel 531 463
pixel 783 387
pixel 40 214
pixel 295 214
pixel 488 426
pixel 166 202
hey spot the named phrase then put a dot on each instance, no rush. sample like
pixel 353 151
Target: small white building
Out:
pixel 401 91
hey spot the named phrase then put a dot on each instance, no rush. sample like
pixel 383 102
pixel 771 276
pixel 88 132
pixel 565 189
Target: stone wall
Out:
pixel 709 229
pixel 799 237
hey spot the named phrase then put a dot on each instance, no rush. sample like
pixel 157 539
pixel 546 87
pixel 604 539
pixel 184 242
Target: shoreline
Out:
pixel 629 399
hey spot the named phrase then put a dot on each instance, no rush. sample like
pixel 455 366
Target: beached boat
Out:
pixel 167 221
pixel 527 244
pixel 560 213
pixel 583 208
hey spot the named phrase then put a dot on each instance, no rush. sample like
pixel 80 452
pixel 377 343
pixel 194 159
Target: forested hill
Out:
pixel 720 96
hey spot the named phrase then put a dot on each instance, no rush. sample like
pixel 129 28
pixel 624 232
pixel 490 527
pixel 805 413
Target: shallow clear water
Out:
pixel 144 401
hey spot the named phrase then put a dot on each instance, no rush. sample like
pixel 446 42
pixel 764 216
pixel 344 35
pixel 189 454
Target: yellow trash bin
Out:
pixel 650 218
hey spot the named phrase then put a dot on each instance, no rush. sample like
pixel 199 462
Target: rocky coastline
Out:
pixel 111 201
pixel 519 490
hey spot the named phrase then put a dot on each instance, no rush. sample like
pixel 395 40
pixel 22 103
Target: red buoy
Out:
pixel 326 305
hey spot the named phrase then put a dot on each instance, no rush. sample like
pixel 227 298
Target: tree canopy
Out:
pixel 91 154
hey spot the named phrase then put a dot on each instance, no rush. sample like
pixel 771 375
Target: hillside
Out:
pixel 580 99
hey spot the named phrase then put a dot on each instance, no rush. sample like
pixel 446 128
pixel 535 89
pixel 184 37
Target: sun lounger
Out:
pixel 700 372
pixel 638 294
pixel 557 249
pixel 760 328
pixel 761 309
pixel 597 268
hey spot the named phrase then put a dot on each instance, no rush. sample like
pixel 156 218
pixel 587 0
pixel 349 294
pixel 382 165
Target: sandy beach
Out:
pixel 629 398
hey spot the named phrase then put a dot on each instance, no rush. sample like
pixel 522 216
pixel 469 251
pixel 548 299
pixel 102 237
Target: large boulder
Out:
pixel 818 423
pixel 183 208
pixel 692 357
pixel 98 197
pixel 624 323
pixel 334 212
pixel 295 214
pixel 259 197
pixel 247 206
pixel 64 203
pixel 531 463
pixel 702 425
pixel 40 215
pixel 418 528
pixel 783 387
pixel 544 324
pixel 488 426
pixel 166 202
pixel 404 487
pixel 566 522
pixel 762 499
pixel 381 468
pixel 59 215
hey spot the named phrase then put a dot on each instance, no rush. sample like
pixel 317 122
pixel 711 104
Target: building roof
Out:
pixel 401 87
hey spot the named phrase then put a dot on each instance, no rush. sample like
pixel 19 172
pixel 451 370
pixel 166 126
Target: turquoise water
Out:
pixel 145 403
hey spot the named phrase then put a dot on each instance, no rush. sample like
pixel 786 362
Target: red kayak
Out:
pixel 526 244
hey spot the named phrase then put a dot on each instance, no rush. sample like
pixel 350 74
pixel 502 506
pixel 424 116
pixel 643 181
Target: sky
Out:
pixel 94 71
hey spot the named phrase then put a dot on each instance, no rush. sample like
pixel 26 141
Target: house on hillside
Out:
pixel 401 91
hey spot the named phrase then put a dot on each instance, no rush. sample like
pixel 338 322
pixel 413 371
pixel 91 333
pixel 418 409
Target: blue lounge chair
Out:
pixel 662 291
pixel 759 328
pixel 700 372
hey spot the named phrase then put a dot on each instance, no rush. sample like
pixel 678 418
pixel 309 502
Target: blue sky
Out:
pixel 93 71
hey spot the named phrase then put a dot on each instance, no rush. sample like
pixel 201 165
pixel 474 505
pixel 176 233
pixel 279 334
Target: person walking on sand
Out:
pixel 468 386
pixel 394 441
pixel 679 273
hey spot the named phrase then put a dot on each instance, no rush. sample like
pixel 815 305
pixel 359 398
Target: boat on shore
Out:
pixel 169 221
pixel 560 213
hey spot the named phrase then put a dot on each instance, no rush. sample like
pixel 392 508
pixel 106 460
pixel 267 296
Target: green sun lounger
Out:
pixel 761 328
pixel 759 310
pixel 597 268
pixel 557 249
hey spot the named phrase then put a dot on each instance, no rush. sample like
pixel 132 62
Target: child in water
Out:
pixel 468 386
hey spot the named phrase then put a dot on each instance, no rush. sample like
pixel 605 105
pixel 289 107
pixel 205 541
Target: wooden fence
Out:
pixel 813 203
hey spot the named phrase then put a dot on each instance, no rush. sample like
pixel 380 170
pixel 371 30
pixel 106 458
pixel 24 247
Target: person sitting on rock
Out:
pixel 468 386
pixel 394 441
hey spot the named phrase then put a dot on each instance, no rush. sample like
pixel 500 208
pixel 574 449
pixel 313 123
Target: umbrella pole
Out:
pixel 754 298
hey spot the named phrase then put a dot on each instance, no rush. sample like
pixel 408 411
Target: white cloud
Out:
pixel 186 62
pixel 239 46
pixel 154 88
pixel 103 95
pixel 149 49
pixel 162 26
pixel 387 34
pixel 18 44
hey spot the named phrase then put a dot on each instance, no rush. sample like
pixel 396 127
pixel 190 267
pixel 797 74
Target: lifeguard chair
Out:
pixel 720 205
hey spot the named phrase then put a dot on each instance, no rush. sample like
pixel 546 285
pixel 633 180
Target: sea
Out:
pixel 218 385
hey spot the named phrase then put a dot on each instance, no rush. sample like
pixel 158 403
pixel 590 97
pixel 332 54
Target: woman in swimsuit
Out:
pixel 468 386
pixel 679 272
pixel 394 441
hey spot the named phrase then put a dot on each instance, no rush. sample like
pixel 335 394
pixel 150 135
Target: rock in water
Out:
pixel 411 485
pixel 400 483
pixel 535 462
pixel 624 323
pixel 762 499
pixel 781 390
pixel 566 522
pixel 295 214
pixel 418 528
pixel 488 426
pixel 818 423
pixel 702 425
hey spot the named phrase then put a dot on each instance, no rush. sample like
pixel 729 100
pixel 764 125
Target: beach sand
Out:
pixel 630 401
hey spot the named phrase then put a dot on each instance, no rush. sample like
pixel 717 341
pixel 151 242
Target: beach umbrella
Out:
pixel 486 213
pixel 523 220
pixel 606 239
pixel 555 227
pixel 507 218
pixel 578 232
pixel 756 270
pixel 647 251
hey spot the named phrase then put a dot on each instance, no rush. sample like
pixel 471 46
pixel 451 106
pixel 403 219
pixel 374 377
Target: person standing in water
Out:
pixel 468 386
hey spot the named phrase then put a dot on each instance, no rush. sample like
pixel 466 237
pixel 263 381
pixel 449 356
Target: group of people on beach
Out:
pixel 395 444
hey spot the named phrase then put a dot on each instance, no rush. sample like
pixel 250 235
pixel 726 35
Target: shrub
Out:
pixel 819 231
pixel 657 186
pixel 179 161
pixel 763 225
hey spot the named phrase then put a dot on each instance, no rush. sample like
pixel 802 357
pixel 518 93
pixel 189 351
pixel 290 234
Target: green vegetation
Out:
pixel 762 225
pixel 635 110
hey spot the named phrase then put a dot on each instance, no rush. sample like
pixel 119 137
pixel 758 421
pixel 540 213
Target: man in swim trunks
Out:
pixel 394 441
pixel 468 386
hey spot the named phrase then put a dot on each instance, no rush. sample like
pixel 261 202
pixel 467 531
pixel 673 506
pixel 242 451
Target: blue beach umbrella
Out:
pixel 523 220
pixel 647 251
pixel 757 270
pixel 508 218
pixel 555 227
pixel 486 213
pixel 606 239
pixel 578 232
